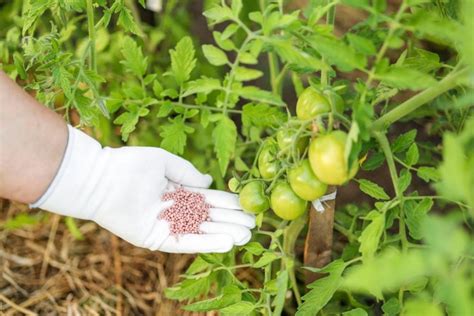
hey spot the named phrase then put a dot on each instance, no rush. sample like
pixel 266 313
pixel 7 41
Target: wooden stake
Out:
pixel 318 245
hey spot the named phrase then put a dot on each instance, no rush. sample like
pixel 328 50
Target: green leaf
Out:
pixel 265 259
pixel 361 44
pixel 134 60
pixel 218 14
pixel 202 85
pixel 128 120
pixel 322 290
pixel 224 136
pixel 415 214
pixel 262 115
pixel 402 142
pixel 231 294
pixel 404 180
pixel 338 53
pixel 256 94
pixel 428 174
pixel 236 7
pixel 165 109
pixel 391 307
pixel 214 55
pixel 297 58
pixel 373 189
pixel 406 78
pixel 198 265
pixel 239 308
pixel 182 60
pixel 246 74
pixel 412 155
pixel 423 60
pixel 254 248
pixel 387 272
pixel 282 286
pixel 127 21
pixel 355 312
pixel 370 236
pixel 73 229
pixel 174 135
pixel 374 161
pixel 416 307
pixel 229 31
pixel 456 170
pixel 189 288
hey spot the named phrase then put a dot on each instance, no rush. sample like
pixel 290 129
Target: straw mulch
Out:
pixel 45 271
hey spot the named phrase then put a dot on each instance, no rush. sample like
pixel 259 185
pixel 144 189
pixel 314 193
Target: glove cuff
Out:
pixel 68 193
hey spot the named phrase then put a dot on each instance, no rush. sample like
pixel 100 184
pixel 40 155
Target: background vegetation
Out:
pixel 403 225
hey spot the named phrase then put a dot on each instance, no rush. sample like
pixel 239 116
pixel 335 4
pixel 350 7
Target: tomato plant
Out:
pixel 381 106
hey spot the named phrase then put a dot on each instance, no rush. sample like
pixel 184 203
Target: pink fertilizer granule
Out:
pixel 187 213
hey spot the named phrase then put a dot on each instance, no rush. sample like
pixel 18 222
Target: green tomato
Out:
pixel 252 197
pixel 285 203
pixel 335 99
pixel 233 185
pixel 267 163
pixel 305 183
pixel 311 103
pixel 327 158
pixel 286 139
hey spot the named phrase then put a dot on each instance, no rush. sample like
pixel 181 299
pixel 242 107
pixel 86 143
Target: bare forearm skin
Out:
pixel 32 143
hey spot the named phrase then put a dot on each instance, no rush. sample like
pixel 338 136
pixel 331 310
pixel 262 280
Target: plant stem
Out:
pixel 384 144
pixel 91 28
pixel 346 232
pixel 392 28
pixel 193 106
pixel 273 65
pixel 449 82
pixel 290 236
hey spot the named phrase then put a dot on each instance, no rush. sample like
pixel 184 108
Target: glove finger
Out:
pixel 219 199
pixel 183 172
pixel 194 243
pixel 230 216
pixel 240 234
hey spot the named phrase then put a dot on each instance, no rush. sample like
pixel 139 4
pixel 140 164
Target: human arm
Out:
pixel 32 143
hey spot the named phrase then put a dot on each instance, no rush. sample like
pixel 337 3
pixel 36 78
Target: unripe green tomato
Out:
pixel 267 163
pixel 286 139
pixel 327 159
pixel 305 183
pixel 311 103
pixel 285 203
pixel 252 197
pixel 336 99
pixel 233 185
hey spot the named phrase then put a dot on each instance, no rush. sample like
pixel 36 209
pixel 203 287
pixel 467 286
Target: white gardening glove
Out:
pixel 121 189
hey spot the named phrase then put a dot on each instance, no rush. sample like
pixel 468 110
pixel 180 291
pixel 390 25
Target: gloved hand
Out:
pixel 121 189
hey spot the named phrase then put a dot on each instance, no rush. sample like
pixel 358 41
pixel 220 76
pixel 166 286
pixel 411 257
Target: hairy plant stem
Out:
pixel 233 67
pixel 193 106
pixel 384 144
pixel 410 105
pixel 392 28
pixel 290 235
pixel 91 29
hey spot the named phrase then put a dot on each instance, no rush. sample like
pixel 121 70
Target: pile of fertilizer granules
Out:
pixel 187 213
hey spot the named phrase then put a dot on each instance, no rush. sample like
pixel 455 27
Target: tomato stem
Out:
pixel 410 105
pixel 290 235
pixel 91 29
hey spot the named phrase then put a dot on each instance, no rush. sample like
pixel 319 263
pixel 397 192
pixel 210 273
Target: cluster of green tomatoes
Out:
pixel 297 164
